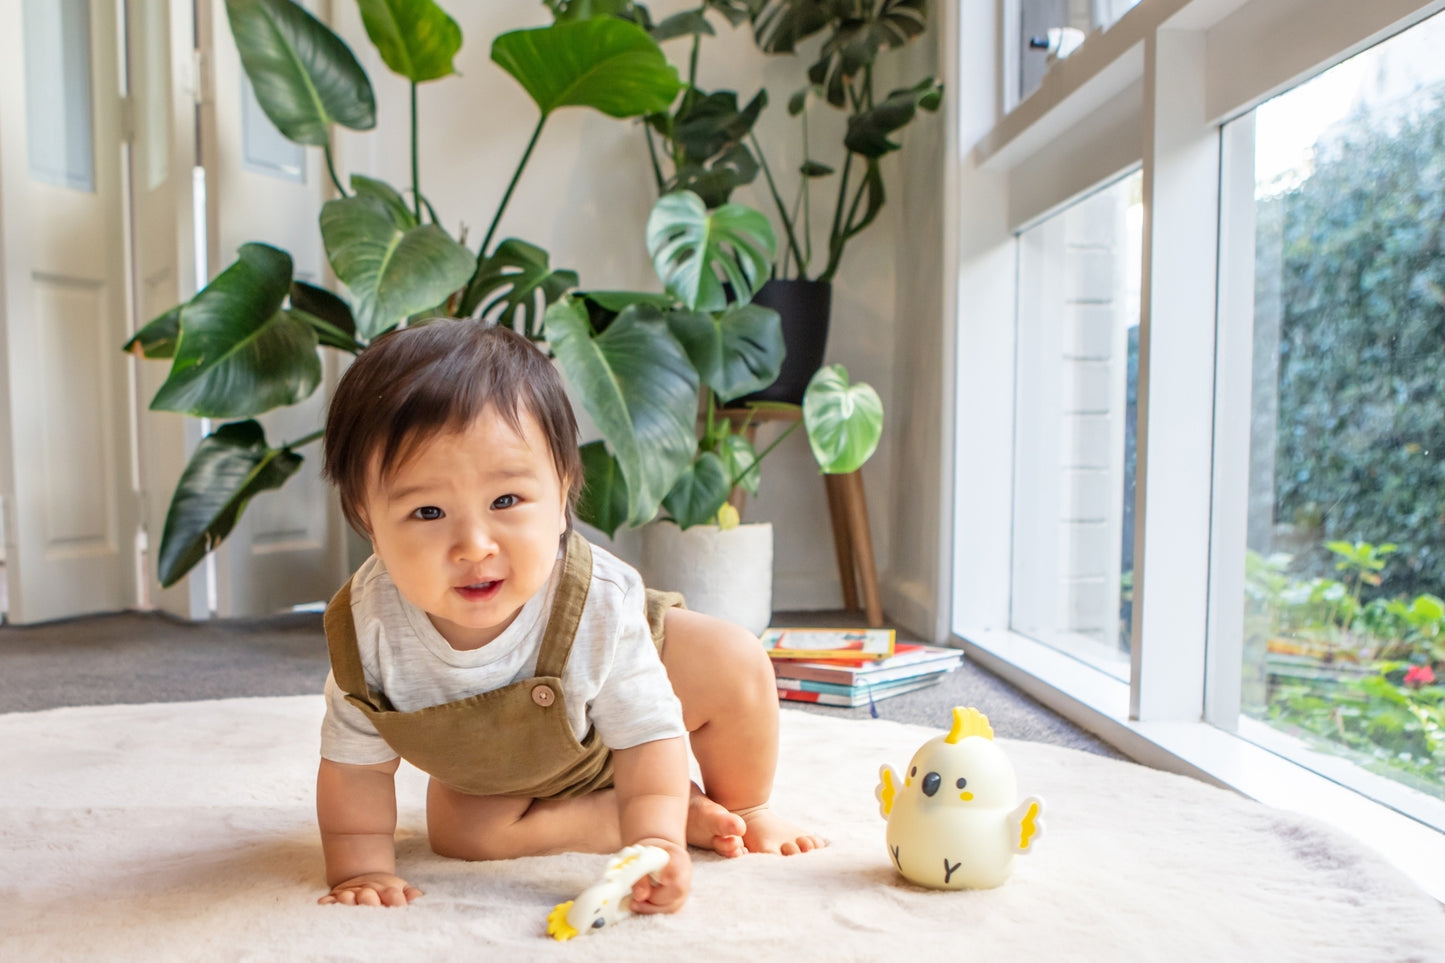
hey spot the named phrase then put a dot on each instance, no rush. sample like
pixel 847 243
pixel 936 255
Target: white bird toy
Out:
pixel 955 820
pixel 609 899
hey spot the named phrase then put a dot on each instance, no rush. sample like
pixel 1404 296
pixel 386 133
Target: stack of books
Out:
pixel 852 667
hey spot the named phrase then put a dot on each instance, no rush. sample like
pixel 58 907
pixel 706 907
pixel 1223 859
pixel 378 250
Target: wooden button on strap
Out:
pixel 543 695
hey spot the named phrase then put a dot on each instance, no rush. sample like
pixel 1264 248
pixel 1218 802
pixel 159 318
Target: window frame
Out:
pixel 1107 108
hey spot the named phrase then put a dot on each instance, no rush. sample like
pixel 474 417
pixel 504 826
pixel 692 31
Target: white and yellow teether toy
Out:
pixel 954 819
pixel 610 898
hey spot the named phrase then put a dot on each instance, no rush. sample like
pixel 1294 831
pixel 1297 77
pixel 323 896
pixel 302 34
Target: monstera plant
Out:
pixel 249 341
pixel 652 369
pixel 841 77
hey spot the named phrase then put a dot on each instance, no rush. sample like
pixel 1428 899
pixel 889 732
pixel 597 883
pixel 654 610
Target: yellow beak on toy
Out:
pixel 954 818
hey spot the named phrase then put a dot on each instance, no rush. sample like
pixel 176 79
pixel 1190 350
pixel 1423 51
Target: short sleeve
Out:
pixel 347 736
pixel 635 702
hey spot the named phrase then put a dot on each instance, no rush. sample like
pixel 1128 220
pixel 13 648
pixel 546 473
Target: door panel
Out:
pixel 71 517
pixel 161 37
pixel 289 547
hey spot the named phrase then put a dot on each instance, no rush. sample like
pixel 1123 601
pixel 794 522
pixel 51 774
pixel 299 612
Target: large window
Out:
pixel 1344 623
pixel 1077 380
pixel 1267 604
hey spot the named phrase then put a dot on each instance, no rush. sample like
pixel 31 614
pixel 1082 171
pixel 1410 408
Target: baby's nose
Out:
pixel 931 783
pixel 475 541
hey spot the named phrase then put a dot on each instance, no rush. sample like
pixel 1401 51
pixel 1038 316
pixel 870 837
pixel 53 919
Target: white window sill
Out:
pixel 1100 704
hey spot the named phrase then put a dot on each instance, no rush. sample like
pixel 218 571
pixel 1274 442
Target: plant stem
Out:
pixel 692 58
pixel 307 440
pixel 758 461
pixel 331 169
pixel 652 155
pixel 415 165
pixel 805 189
pixel 835 241
pixel 782 209
pixel 516 176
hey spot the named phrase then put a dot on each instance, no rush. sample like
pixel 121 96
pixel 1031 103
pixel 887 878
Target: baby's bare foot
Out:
pixel 710 826
pixel 767 832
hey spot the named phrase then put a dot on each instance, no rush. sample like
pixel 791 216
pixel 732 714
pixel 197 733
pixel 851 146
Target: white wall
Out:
pixel 585 198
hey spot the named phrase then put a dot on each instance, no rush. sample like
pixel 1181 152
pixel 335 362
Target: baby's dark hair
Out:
pixel 410 385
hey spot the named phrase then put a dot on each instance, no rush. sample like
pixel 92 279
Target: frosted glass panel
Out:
pixel 264 150
pixel 57 92
pixel 150 85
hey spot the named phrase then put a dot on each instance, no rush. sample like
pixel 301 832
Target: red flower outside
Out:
pixel 1419 675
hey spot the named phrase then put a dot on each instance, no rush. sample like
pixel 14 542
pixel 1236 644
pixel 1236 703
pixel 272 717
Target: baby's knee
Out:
pixel 475 846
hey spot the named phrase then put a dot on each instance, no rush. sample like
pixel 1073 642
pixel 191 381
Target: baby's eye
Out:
pixel 428 513
pixel 505 501
pixel 961 782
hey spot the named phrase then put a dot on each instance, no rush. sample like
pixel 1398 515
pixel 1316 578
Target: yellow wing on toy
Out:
pixel 887 789
pixel 1026 824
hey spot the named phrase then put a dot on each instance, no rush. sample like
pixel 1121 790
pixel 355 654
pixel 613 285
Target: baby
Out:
pixel 550 696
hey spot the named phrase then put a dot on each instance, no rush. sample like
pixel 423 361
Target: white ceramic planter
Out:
pixel 728 574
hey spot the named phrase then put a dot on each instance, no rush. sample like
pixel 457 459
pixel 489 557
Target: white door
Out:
pixel 289 547
pixel 65 416
pixel 163 89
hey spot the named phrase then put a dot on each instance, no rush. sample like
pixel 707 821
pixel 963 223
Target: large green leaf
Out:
pixel 868 131
pixel 689 23
pixel 844 422
pixel 856 41
pixel 710 124
pixel 696 251
pixel 304 76
pixel 523 275
pixel 327 313
pixel 389 196
pixel 603 502
pixel 228 468
pixel 708 133
pixel 636 383
pixel 157 340
pixel 736 352
pixel 606 64
pixel 699 492
pixel 782 23
pixel 391 273
pixel 239 353
pixel 415 38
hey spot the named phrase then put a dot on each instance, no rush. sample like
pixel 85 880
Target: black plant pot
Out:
pixel 804 307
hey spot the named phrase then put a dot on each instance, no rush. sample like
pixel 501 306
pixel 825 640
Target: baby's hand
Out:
pixel 372 889
pixel 669 891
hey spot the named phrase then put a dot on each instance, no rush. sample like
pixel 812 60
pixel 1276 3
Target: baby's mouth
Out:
pixel 478 591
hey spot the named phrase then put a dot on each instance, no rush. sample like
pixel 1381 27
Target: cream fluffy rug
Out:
pixel 185 832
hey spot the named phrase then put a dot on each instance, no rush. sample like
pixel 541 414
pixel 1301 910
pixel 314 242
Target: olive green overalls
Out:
pixel 512 741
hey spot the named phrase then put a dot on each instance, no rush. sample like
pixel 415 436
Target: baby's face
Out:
pixel 468 526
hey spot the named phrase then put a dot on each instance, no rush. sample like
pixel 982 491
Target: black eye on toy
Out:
pixel 961 782
pixel 912 772
pixel 598 923
pixel 931 783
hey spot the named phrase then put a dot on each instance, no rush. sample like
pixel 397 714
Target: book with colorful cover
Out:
pixel 829 644
pixel 909 659
pixel 834 688
pixel 860 695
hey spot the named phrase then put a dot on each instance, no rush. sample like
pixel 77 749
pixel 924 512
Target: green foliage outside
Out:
pixel 1353 677
pixel 1361 423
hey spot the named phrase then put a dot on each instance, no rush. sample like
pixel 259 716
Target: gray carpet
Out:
pixel 136 657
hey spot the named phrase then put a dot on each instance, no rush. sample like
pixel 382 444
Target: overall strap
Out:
pixel 341 643
pixel 567 606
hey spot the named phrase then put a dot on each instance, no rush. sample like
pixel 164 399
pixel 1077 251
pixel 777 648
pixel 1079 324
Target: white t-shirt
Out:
pixel 614 679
